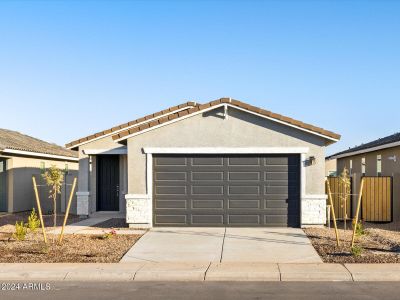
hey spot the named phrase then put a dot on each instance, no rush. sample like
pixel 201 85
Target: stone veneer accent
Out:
pixel 138 209
pixel 313 210
pixel 82 203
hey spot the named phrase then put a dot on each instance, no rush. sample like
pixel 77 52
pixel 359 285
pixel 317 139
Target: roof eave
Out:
pixel 367 150
pixel 329 140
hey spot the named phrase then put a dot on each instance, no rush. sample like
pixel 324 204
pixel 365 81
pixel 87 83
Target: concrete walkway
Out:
pixel 257 271
pixel 266 245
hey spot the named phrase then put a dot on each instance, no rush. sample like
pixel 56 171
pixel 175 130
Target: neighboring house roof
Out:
pixel 381 143
pixel 13 142
pixel 115 129
pixel 222 102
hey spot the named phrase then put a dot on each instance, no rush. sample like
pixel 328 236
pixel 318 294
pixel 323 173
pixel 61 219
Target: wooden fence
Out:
pixel 337 188
pixel 376 203
pixel 377 199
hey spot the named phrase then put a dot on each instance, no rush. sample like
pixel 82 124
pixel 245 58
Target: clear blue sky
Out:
pixel 69 69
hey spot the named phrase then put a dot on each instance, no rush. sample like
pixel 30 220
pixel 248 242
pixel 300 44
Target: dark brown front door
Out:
pixel 108 182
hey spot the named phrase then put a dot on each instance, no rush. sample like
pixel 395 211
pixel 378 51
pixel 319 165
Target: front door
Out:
pixel 108 182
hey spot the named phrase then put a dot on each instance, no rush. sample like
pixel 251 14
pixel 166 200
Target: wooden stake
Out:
pixel 39 209
pixel 67 211
pixel 333 212
pixel 355 221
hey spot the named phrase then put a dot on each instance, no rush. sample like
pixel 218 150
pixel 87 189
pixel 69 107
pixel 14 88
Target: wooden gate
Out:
pixel 377 199
pixel 337 188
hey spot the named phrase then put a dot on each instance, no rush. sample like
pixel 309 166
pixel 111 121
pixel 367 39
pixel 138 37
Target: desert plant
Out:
pixel 346 185
pixel 359 228
pixel 54 178
pixel 33 221
pixel 108 235
pixel 356 251
pixel 20 231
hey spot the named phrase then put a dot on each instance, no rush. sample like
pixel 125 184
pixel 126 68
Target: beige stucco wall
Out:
pixel 20 189
pixel 240 129
pixel 389 168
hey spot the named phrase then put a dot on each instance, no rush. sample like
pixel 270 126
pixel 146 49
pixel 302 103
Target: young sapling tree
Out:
pixel 54 178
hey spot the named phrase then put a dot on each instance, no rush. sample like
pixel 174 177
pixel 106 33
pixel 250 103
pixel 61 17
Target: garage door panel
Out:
pixel 244 219
pixel 243 161
pixel 243 190
pixel 244 176
pixel 207 190
pixel 207 219
pixel 170 161
pixel 168 204
pixel 171 176
pixel 170 219
pixel 244 203
pixel 283 203
pixel 207 161
pixel 207 204
pixel 207 176
pixel 171 190
pixel 227 190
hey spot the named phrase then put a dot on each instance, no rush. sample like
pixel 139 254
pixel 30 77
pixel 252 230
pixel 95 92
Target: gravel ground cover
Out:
pixel 377 245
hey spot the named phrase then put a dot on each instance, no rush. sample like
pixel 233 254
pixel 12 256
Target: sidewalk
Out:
pixel 200 272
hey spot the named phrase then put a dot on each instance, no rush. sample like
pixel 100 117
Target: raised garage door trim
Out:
pixel 226 190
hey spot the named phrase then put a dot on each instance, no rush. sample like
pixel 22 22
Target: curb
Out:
pixel 203 271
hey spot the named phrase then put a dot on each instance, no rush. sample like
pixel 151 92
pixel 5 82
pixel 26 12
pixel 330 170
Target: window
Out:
pixel 351 167
pixel 42 167
pixel 379 165
pixel 66 169
pixel 363 166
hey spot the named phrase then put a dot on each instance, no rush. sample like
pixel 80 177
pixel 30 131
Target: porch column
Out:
pixel 83 194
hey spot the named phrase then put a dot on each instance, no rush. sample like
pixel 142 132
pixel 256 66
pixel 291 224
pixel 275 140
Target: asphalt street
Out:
pixel 203 290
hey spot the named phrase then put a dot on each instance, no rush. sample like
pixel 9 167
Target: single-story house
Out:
pixel 380 157
pixel 330 167
pixel 23 156
pixel 223 163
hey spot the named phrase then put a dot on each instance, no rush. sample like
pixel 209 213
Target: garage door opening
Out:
pixel 226 190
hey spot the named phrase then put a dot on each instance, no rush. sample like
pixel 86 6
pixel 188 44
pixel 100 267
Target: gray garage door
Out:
pixel 226 190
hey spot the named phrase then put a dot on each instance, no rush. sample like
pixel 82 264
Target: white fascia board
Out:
pixel 116 151
pixel 372 149
pixel 37 154
pixel 227 150
pixel 128 127
pixel 223 105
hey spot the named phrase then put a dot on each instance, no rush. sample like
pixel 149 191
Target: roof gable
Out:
pixel 126 126
pixel 125 134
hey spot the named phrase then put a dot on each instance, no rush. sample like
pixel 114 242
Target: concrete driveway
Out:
pixel 271 245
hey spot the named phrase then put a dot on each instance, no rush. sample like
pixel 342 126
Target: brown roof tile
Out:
pixel 243 106
pixel 74 144
pixel 10 139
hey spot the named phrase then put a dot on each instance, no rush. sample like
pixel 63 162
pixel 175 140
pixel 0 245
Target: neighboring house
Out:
pixel 22 157
pixel 330 167
pixel 380 157
pixel 224 163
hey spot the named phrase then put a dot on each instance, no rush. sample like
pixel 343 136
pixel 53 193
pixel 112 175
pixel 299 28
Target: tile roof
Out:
pixel 114 129
pixel 14 140
pixel 239 104
pixel 376 143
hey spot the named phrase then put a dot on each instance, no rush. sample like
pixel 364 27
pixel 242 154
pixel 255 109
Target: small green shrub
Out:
pixel 359 228
pixel 20 231
pixel 356 251
pixel 33 221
